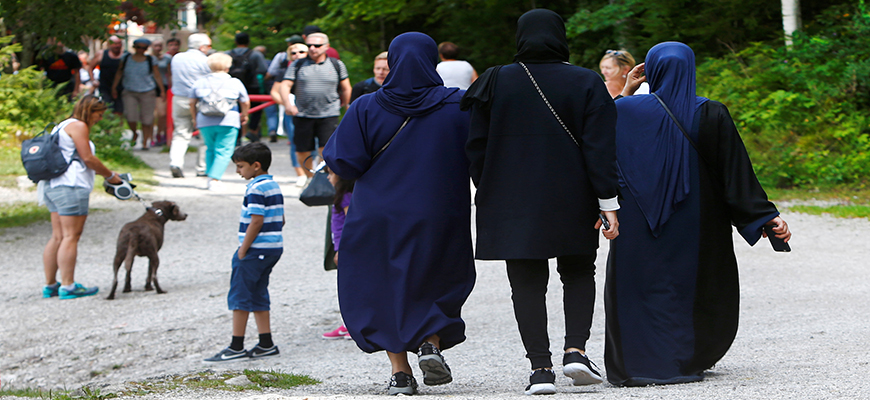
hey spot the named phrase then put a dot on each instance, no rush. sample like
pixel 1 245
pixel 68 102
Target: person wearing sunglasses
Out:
pixel 275 73
pixel 615 66
pixel 322 88
pixel 141 77
pixel 294 52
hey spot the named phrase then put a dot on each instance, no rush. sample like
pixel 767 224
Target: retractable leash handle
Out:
pixel 123 190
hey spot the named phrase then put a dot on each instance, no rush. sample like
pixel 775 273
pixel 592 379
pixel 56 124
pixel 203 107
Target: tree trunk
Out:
pixel 28 50
pixel 791 18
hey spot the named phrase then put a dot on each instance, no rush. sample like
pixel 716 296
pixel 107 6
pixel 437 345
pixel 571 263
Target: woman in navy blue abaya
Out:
pixel 672 296
pixel 406 258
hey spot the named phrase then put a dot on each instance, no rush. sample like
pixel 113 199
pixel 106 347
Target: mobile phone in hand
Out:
pixel 777 243
pixel 604 222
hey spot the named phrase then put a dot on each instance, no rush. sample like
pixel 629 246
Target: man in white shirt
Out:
pixel 186 69
pixel 454 73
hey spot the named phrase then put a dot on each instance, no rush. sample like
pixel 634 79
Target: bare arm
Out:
pixel 276 93
pixel 289 109
pixel 78 82
pixel 251 234
pixel 193 101
pixel 243 111
pixel 81 136
pixel 473 75
pixel 93 64
pixel 158 79
pixel 118 76
pixel 345 92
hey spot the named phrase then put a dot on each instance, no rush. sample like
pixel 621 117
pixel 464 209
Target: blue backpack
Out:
pixel 42 157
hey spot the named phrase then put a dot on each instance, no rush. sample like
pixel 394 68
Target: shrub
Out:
pixel 800 110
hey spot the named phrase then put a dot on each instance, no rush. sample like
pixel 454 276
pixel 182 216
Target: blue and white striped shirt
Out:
pixel 263 197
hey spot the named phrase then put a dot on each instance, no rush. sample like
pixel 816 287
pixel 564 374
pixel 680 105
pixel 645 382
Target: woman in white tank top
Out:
pixel 67 198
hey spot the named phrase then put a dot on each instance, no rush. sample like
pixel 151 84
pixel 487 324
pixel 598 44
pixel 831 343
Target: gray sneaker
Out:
pixel 176 171
pixel 227 355
pixel 402 383
pixel 435 370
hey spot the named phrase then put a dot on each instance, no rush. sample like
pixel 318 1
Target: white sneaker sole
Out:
pixel 581 374
pixel 541 388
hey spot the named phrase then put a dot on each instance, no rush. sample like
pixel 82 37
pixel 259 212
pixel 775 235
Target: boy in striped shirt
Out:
pixel 260 248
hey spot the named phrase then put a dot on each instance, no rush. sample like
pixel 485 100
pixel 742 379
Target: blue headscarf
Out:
pixel 413 88
pixel 651 151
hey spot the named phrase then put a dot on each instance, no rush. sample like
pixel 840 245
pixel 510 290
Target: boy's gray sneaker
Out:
pixel 435 370
pixel 227 355
pixel 259 352
pixel 402 383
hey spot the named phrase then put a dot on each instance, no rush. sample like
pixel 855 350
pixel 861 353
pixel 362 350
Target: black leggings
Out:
pixel 529 279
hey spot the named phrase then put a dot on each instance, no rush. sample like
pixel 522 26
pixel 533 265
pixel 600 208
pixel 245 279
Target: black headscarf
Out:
pixel 413 87
pixel 540 39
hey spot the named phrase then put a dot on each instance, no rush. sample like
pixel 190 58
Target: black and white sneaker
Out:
pixel 260 352
pixel 227 355
pixel 578 367
pixel 435 370
pixel 542 381
pixel 402 383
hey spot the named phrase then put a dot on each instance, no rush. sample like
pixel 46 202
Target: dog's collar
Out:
pixel 156 211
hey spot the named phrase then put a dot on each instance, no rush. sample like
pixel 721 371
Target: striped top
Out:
pixel 317 87
pixel 263 197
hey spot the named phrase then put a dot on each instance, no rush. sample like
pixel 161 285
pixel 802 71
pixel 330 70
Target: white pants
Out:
pixel 184 125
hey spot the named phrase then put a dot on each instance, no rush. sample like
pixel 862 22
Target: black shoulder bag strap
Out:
pixel 713 173
pixel 552 110
pixel 391 139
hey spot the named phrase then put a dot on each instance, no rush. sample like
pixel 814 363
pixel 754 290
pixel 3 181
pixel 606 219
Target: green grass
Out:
pixel 279 379
pixel 839 211
pixel 849 202
pixel 202 380
pixel 21 214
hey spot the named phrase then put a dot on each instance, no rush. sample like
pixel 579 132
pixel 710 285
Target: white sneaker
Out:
pixel 301 181
pixel 214 186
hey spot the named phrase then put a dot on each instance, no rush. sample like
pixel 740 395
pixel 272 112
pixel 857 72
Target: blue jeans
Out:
pixel 289 129
pixel 220 143
pixel 272 119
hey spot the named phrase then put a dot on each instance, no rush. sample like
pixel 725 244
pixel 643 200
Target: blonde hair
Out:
pixel 382 56
pixel 86 106
pixel 622 58
pixel 219 62
pixel 297 47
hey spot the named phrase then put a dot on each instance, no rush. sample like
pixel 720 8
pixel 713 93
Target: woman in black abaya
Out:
pixel 672 295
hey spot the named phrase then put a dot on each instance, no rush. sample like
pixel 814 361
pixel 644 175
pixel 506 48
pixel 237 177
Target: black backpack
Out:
pixel 243 69
pixel 42 157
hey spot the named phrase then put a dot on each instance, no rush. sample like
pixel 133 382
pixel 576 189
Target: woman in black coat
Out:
pixel 568 178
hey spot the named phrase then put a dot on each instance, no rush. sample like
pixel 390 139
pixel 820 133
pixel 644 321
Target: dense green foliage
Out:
pixel 35 21
pixel 802 111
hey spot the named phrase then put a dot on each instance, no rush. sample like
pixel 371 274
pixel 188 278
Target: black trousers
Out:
pixel 528 279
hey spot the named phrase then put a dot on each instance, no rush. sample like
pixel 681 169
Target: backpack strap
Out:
pixel 56 131
pixel 337 72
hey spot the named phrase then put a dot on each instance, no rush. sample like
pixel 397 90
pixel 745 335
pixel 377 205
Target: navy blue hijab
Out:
pixel 651 151
pixel 413 88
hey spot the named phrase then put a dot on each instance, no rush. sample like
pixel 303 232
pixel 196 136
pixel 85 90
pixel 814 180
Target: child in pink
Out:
pixel 343 193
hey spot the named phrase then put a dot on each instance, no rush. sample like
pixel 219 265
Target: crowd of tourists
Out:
pixel 660 172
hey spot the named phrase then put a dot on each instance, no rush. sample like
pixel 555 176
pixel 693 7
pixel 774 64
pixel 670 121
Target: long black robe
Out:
pixel 537 192
pixel 672 301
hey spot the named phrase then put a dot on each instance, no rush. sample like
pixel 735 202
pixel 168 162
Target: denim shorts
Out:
pixel 249 283
pixel 67 200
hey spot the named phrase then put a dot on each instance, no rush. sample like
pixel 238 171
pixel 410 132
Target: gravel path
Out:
pixel 804 328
